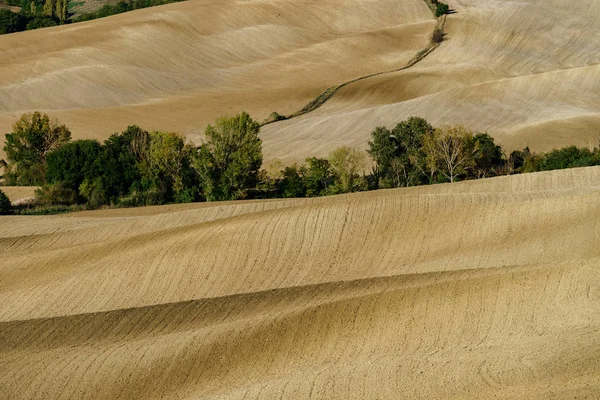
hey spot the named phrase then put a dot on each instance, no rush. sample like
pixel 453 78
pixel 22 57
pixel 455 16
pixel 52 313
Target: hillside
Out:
pixel 180 66
pixel 481 289
pixel 527 71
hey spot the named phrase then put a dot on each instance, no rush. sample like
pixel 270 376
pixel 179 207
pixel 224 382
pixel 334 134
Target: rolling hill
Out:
pixel 481 289
pixel 527 72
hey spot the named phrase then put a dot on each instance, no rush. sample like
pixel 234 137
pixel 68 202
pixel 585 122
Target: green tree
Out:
pixel 411 167
pixel 62 10
pixel 48 10
pixel 441 9
pixel 118 163
pixel 383 150
pixel 229 161
pixel 450 151
pixel 168 166
pixel 348 165
pixel 34 136
pixel 4 203
pixel 317 176
pixel 11 22
pixel 292 184
pixel 489 159
pixel 73 163
pixel 515 162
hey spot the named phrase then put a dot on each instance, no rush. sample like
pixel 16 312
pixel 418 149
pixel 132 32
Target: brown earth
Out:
pixel 17 194
pixel 482 289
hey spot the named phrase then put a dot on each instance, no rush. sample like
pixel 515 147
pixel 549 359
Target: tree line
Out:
pixel 35 14
pixel 136 167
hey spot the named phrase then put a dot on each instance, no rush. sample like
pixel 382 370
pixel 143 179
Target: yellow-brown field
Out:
pixel 483 289
pixel 19 194
pixel 486 289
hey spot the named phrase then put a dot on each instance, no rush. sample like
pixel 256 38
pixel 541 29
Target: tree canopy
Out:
pixel 229 160
pixel 34 136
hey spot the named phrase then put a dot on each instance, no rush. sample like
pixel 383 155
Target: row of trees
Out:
pixel 121 7
pixel 134 167
pixel 137 167
pixel 36 14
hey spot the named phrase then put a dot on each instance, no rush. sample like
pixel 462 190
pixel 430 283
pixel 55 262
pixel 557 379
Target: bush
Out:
pixel 568 157
pixel 437 36
pixel 441 9
pixel 57 194
pixel 274 117
pixel 40 22
pixel 4 203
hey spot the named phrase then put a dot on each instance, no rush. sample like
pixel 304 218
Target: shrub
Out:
pixel 437 36
pixel 4 203
pixel 40 22
pixel 57 194
pixel 441 9
pixel 274 117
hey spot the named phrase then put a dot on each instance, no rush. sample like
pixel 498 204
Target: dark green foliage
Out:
pixel 5 205
pixel 229 161
pixel 119 163
pixel 489 160
pixel 441 9
pixel 567 157
pixel 383 149
pixel 74 163
pixel 317 176
pixel 398 154
pixel 11 22
pixel 292 184
pixel 40 22
pixel 121 7
pixel 516 160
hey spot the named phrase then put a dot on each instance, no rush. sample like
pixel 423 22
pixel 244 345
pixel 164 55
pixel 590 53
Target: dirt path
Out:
pixel 330 92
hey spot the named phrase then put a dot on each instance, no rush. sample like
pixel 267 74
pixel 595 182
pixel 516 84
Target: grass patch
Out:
pixel 73 4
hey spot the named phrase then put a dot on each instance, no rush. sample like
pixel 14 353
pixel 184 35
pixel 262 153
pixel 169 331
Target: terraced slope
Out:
pixel 482 289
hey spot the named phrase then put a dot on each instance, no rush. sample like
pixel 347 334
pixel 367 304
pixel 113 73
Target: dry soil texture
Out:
pixel 528 71
pixel 483 289
pixel 19 194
